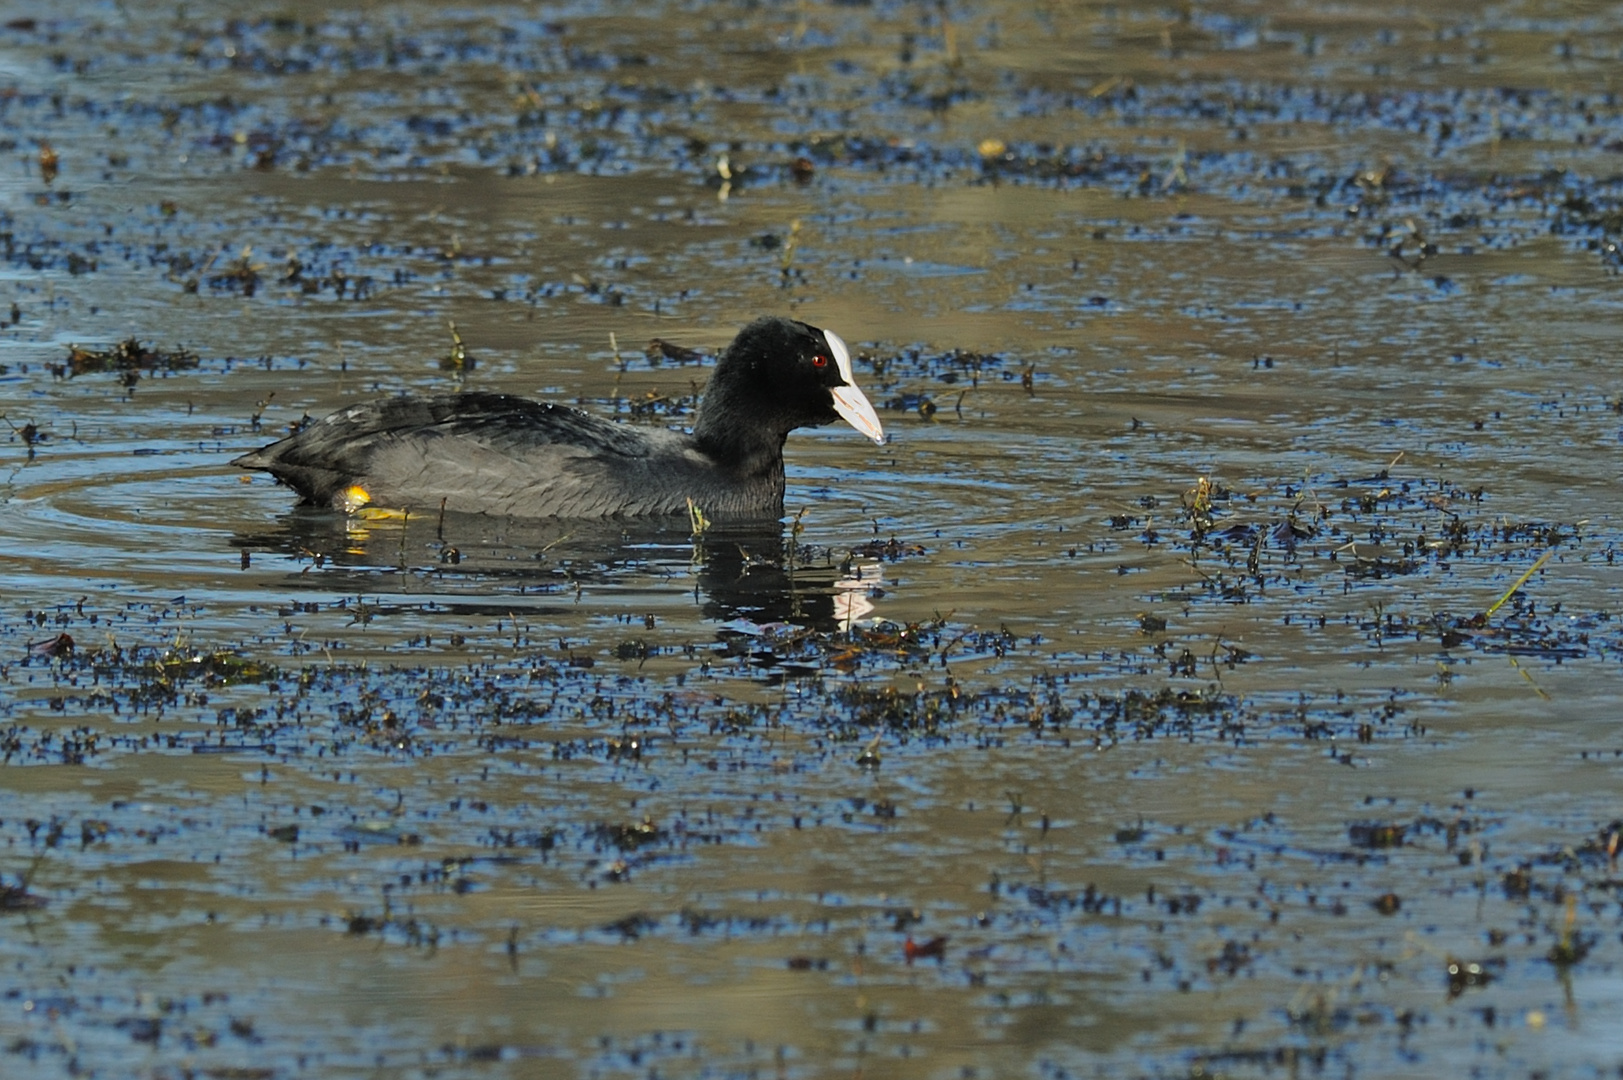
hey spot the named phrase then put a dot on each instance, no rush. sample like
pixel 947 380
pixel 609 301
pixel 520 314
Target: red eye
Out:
pixel 819 361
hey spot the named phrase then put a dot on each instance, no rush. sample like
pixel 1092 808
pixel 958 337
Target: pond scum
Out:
pixel 87 686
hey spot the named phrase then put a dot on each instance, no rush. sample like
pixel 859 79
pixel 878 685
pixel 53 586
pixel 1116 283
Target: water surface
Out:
pixel 1136 710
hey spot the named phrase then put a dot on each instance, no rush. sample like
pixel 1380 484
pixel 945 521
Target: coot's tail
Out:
pixel 315 486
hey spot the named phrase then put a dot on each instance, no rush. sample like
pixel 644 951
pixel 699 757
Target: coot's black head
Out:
pixel 777 375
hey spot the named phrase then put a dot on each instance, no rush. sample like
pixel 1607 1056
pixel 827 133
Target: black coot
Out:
pixel 496 454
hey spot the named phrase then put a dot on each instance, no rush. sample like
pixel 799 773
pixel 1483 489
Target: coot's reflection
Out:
pixel 738 570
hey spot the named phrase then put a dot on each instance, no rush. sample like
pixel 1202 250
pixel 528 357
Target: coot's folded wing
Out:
pixel 472 450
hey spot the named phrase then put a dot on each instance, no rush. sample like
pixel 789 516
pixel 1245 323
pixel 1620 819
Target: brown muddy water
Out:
pixel 1141 709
